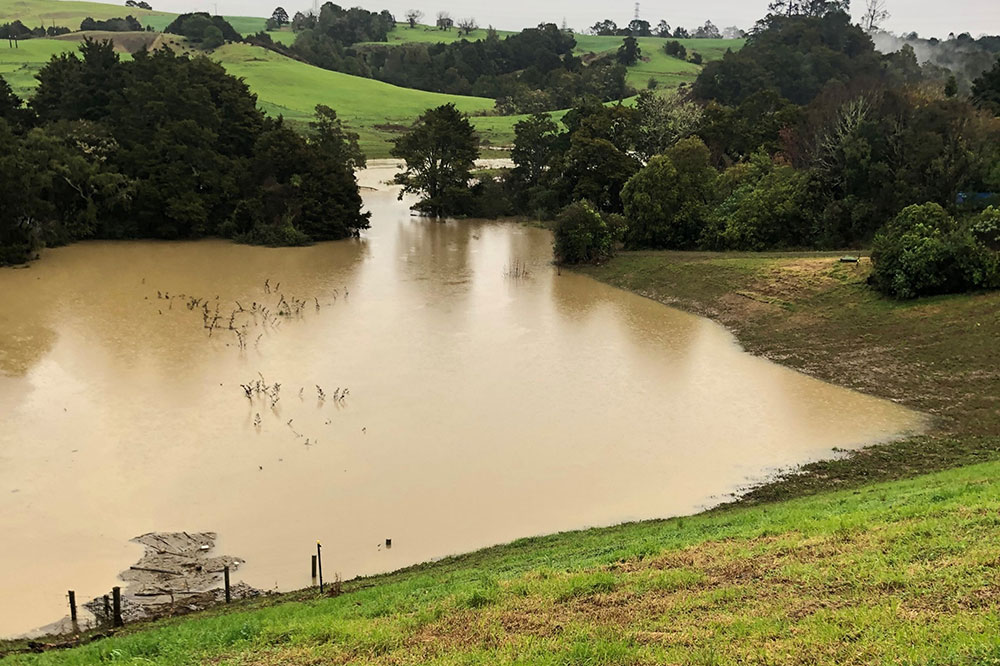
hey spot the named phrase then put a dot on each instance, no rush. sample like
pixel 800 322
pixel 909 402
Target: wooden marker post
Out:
pixel 72 606
pixel 319 564
pixel 314 567
pixel 116 602
pixel 225 575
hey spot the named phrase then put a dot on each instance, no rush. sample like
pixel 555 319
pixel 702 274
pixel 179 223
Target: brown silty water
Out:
pixel 482 405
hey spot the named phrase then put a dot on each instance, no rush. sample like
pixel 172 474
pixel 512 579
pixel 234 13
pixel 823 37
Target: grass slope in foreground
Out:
pixel 899 573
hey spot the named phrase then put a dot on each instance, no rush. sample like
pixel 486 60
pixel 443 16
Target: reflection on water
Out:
pixel 482 408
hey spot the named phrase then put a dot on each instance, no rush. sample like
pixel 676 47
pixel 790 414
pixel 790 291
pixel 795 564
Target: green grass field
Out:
pixel 70 13
pixel 426 34
pixel 899 573
pixel 377 111
pixel 667 71
pixel 19 66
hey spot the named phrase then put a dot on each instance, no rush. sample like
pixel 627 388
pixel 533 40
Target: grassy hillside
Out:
pixel 667 71
pixel 376 110
pixel 427 34
pixel 900 573
pixel 70 13
pixel 19 66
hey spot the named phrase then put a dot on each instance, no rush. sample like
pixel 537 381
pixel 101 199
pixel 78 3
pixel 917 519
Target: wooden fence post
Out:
pixel 319 564
pixel 72 606
pixel 225 574
pixel 116 596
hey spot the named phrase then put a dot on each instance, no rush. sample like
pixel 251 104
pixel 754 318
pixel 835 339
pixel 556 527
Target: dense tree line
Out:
pixel 641 28
pixel 526 72
pixel 961 58
pixel 807 138
pixel 127 24
pixel 164 146
pixel 17 30
pixel 203 29
pixel 530 71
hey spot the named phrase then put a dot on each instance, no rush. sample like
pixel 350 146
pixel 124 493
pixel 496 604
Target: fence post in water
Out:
pixel 107 608
pixel 319 564
pixel 116 596
pixel 225 574
pixel 314 567
pixel 72 606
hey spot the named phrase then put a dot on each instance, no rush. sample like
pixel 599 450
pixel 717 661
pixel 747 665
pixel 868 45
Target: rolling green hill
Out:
pixel 19 66
pixel 70 13
pixel 376 111
pixel 427 34
pixel 655 64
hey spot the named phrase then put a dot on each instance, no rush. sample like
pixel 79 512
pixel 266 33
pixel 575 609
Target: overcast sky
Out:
pixel 927 17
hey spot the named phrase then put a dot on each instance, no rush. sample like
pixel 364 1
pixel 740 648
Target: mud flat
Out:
pixel 176 574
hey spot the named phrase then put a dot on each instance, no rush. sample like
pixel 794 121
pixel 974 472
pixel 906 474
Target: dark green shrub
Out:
pixel 668 202
pixel 772 207
pixel 582 236
pixel 923 251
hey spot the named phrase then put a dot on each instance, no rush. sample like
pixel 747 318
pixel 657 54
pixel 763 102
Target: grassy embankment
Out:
pixel 899 573
pixel 863 572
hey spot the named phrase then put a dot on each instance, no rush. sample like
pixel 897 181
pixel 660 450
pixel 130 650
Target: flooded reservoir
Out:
pixel 430 392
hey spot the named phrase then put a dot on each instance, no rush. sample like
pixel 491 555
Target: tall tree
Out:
pixel 534 143
pixel 707 31
pixel 639 28
pixel 986 89
pixel 440 152
pixel 11 107
pixel 629 52
pixel 413 17
pixel 875 15
pixel 280 16
pixel 604 28
pixel 467 26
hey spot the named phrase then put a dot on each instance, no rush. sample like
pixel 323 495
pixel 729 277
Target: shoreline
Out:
pixel 808 312
pixel 757 298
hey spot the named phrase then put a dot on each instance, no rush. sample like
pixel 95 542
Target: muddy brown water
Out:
pixel 482 406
